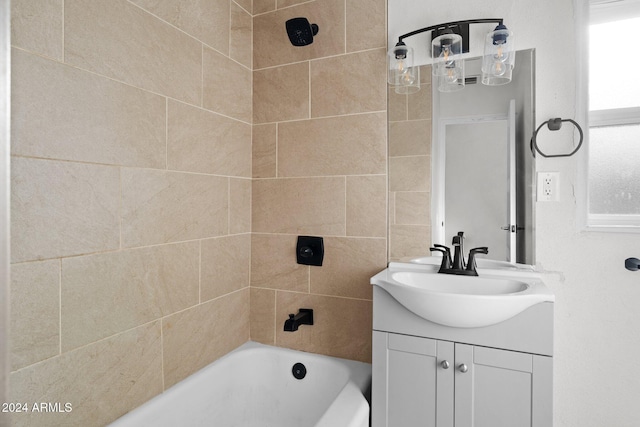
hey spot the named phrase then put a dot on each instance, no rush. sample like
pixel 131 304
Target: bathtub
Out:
pixel 254 386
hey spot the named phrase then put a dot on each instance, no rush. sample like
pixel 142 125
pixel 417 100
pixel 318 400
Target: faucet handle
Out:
pixel 471 263
pixel 446 255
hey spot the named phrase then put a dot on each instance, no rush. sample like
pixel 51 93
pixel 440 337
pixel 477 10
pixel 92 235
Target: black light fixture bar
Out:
pixel 457 27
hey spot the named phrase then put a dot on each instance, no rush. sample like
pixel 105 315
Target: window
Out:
pixel 614 115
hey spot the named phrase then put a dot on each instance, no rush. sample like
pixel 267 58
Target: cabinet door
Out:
pixel 411 386
pixel 500 388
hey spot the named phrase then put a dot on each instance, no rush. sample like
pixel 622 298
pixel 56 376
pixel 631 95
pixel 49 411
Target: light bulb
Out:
pixel 498 68
pixel 400 66
pixel 451 76
pixel 501 54
pixel 407 77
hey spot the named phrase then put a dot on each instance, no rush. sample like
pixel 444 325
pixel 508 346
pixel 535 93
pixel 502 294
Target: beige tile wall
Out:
pixel 165 157
pixel 319 168
pixel 410 171
pixel 131 198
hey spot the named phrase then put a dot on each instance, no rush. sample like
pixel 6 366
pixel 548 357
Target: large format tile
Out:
pixel 35 312
pixel 239 206
pixel 202 141
pixel 413 208
pixel 262 6
pixel 366 206
pixel 347 84
pixel 60 112
pixel 396 105
pixel 119 40
pixel 62 209
pixel 341 326
pixel 409 241
pixel 410 138
pixel 263 314
pixel 227 86
pixel 419 104
pixel 206 20
pixel 105 294
pixel 264 150
pixel 241 36
pixel 366 24
pixel 348 265
pixel 226 263
pixel 246 5
pixel 349 145
pixel 412 173
pixel 273 263
pixel 281 93
pixel 299 206
pixel 36 26
pixel 196 337
pixel 102 381
pixel 162 207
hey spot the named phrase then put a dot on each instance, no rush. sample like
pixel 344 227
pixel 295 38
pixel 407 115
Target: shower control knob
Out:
pixel 463 368
pixel 306 252
pixel 445 364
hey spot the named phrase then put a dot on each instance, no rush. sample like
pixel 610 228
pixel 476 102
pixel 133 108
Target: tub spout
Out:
pixel 304 317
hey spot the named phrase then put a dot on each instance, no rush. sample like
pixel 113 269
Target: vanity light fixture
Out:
pixel 448 42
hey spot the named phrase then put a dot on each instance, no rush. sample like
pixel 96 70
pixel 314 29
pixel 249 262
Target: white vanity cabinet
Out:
pixel 425 374
pixel 426 382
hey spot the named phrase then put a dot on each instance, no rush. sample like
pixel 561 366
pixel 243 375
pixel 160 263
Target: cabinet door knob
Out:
pixel 463 368
pixel 445 364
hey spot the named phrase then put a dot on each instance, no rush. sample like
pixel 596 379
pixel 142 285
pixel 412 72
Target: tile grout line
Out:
pixel 277 144
pixel 275 317
pixel 60 307
pixel 63 24
pixel 162 355
pixel 345 204
pixel 166 134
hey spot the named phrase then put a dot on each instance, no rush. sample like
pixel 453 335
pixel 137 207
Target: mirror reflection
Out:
pixel 461 161
pixel 482 164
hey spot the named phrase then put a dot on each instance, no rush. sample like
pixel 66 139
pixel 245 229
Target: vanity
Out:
pixel 461 351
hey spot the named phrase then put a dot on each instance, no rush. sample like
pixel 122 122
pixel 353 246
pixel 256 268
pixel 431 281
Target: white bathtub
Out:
pixel 253 386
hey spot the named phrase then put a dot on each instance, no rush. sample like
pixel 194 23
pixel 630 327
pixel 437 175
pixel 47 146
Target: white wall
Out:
pixel 597 300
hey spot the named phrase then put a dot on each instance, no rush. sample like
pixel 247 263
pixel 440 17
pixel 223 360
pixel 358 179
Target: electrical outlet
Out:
pixel 548 186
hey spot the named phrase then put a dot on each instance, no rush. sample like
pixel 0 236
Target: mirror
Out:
pixel 482 166
pixel 461 161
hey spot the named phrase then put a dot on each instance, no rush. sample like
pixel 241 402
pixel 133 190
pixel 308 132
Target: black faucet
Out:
pixel 304 317
pixel 458 256
pixel 458 265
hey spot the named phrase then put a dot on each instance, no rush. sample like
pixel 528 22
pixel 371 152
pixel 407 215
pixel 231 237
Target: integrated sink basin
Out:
pixel 462 301
pixel 480 262
pixel 464 285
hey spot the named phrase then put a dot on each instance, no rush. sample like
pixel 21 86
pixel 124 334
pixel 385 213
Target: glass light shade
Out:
pixel 402 74
pixel 448 66
pixel 445 51
pixel 499 57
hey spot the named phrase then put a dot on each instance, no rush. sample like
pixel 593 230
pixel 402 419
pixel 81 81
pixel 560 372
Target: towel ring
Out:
pixel 553 125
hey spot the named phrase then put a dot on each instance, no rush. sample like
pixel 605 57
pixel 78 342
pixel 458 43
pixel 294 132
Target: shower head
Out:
pixel 300 31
